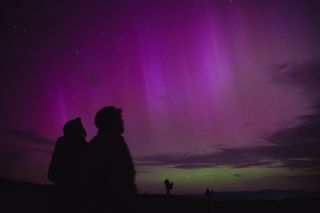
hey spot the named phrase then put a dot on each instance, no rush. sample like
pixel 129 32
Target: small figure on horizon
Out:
pixel 209 193
pixel 168 186
pixel 111 173
pixel 67 168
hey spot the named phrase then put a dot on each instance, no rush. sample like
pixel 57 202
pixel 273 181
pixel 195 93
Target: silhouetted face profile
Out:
pixel 74 129
pixel 109 120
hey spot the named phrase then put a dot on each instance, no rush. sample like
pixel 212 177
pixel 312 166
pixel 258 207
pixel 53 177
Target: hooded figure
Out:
pixel 68 168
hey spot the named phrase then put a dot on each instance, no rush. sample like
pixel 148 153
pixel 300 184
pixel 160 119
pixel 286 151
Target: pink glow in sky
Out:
pixel 192 78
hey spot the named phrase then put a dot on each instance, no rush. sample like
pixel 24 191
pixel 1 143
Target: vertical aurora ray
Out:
pixel 192 77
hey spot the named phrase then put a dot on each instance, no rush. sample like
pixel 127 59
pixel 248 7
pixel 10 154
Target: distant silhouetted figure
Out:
pixel 168 186
pixel 67 168
pixel 112 173
pixel 209 193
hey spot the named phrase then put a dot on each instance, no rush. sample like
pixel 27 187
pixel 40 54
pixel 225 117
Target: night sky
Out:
pixel 222 94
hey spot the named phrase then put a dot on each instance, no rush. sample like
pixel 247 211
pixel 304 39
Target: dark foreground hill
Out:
pixel 29 197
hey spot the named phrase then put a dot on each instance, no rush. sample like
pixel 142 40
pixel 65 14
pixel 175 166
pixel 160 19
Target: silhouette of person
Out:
pixel 112 173
pixel 67 168
pixel 168 185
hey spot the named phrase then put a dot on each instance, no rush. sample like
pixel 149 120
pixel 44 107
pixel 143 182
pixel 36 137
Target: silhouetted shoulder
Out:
pixel 55 164
pixel 59 143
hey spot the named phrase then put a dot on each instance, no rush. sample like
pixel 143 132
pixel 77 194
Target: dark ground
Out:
pixel 28 197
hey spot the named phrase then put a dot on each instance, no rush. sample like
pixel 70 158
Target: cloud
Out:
pixel 302 142
pixel 12 155
pixel 283 155
pixel 295 147
pixel 16 156
pixel 10 152
pixel 32 150
pixel 140 171
pixel 309 180
pixel 27 136
pixel 233 157
pixel 300 77
pixel 312 177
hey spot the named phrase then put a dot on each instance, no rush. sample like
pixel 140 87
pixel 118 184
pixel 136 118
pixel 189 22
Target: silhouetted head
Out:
pixel 109 119
pixel 74 129
pixel 166 182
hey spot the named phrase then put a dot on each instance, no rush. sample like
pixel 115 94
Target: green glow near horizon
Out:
pixel 150 179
